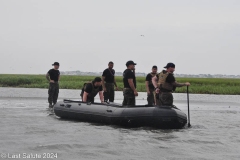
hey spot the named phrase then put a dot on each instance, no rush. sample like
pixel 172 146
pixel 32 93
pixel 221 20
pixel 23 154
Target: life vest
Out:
pixel 93 93
pixel 162 84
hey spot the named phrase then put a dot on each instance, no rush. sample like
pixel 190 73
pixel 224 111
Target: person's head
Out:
pixel 154 69
pixel 56 65
pixel 110 65
pixel 97 82
pixel 170 67
pixel 130 65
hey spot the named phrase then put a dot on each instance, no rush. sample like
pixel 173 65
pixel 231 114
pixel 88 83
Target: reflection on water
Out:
pixel 27 127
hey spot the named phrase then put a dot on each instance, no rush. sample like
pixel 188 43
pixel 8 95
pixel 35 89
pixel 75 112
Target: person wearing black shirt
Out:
pixel 90 90
pixel 53 76
pixel 165 83
pixel 150 88
pixel 108 82
pixel 129 80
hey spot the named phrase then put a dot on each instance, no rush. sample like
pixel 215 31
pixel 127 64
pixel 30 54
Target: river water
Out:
pixel 28 131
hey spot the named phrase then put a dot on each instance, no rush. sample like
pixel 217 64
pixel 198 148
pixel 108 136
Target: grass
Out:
pixel 198 85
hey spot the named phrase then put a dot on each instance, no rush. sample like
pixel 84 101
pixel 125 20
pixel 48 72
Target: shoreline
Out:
pixel 215 86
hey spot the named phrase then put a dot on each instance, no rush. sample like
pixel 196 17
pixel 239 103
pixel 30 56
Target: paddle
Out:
pixel 189 125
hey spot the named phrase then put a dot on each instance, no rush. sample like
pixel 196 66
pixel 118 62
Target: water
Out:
pixel 27 127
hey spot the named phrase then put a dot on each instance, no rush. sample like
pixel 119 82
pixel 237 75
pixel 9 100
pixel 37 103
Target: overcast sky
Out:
pixel 199 36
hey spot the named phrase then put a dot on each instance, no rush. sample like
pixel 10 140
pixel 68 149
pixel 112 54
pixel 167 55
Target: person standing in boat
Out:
pixel 129 80
pixel 91 89
pixel 151 95
pixel 108 83
pixel 53 76
pixel 165 83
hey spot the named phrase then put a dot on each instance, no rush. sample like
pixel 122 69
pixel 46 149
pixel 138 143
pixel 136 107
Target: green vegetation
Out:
pixel 198 85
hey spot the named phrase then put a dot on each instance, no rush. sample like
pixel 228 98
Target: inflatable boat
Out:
pixel 116 114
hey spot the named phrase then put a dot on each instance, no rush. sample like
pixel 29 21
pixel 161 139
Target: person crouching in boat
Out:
pixel 91 89
pixel 165 83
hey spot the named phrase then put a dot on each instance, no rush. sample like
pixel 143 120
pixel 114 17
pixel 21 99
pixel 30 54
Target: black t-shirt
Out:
pixel 170 78
pixel 149 79
pixel 89 88
pixel 128 74
pixel 109 75
pixel 54 74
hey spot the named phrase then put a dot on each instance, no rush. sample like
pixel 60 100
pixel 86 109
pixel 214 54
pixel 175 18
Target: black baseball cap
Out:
pixel 97 79
pixel 56 63
pixel 172 65
pixel 130 62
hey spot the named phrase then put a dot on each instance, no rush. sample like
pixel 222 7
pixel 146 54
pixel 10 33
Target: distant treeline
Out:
pixel 141 74
pixel 198 85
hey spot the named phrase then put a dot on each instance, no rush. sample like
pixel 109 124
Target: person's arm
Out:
pixel 147 88
pixel 131 84
pixel 148 78
pixel 115 83
pixel 101 96
pixel 58 75
pixel 85 94
pixel 103 83
pixel 87 90
pixel 48 78
pixel 176 84
pixel 171 79
pixel 154 81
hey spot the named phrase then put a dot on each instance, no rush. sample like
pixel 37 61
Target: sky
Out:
pixel 199 36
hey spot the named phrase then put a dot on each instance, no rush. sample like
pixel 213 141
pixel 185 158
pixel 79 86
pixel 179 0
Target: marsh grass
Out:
pixel 198 85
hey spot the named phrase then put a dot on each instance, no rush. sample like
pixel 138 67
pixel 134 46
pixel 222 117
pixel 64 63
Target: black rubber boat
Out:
pixel 116 114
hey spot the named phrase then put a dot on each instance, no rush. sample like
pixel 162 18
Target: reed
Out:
pixel 198 85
